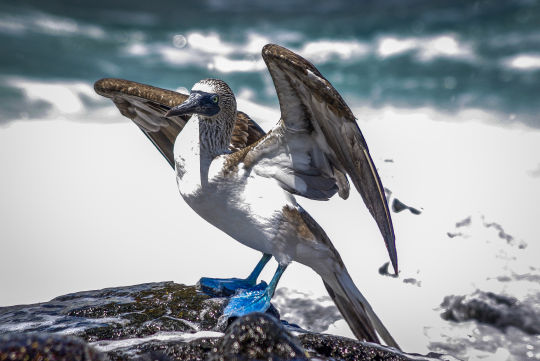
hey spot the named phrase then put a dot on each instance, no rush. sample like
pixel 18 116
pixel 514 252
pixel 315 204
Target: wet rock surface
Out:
pixel 118 313
pixel 499 311
pixel 258 337
pixel 314 314
pixel 164 321
pixel 26 347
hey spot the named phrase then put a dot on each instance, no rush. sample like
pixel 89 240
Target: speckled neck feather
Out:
pixel 215 132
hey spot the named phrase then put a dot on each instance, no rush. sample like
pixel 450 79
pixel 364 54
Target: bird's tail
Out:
pixel 356 309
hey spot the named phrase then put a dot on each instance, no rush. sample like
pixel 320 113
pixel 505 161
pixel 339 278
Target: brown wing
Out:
pixel 310 106
pixel 146 105
pixel 245 132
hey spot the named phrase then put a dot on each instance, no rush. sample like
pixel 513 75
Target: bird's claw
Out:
pixel 245 301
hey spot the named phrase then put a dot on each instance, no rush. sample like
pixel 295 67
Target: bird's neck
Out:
pixel 215 134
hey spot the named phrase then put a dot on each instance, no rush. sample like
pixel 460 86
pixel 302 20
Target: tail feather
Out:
pixel 358 321
pixel 356 310
pixel 351 303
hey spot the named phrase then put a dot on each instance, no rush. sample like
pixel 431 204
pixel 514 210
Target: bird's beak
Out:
pixel 192 105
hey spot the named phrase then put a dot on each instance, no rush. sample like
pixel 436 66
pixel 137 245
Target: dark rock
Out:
pixel 496 310
pixel 163 322
pixel 258 336
pixel 153 356
pixel 327 347
pixel 119 313
pixel 37 347
pixel 165 350
pixel 398 206
pixel 314 314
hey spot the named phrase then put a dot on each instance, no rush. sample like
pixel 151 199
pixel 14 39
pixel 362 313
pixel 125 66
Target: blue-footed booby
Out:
pixel 244 181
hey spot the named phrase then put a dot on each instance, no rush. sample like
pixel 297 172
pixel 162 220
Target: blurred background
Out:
pixel 446 94
pixel 449 55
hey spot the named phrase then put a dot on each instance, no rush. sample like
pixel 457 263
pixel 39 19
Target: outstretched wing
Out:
pixel 317 141
pixel 146 105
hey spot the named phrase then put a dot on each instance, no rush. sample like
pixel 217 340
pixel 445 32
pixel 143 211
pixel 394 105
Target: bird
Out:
pixel 245 181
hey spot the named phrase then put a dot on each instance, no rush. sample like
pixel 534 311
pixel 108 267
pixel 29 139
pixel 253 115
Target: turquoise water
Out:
pixel 450 56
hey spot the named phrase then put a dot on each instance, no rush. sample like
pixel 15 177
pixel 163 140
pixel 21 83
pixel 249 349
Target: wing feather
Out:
pixel 146 105
pixel 310 105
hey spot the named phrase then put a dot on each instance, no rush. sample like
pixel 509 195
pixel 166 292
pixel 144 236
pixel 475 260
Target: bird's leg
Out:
pixel 252 278
pixel 220 287
pixel 256 299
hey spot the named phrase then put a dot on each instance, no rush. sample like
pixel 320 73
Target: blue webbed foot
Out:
pixel 224 287
pixel 255 299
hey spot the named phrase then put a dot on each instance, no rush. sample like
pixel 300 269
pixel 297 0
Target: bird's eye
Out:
pixel 215 98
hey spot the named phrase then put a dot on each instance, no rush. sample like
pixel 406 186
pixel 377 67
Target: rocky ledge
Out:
pixel 165 321
pixel 499 311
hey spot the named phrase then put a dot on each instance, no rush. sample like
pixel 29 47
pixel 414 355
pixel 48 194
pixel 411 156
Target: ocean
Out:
pixel 448 55
pixel 446 94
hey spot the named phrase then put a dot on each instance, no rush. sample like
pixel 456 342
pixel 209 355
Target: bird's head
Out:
pixel 209 98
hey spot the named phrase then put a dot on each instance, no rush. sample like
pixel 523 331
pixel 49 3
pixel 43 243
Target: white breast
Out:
pixel 246 207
